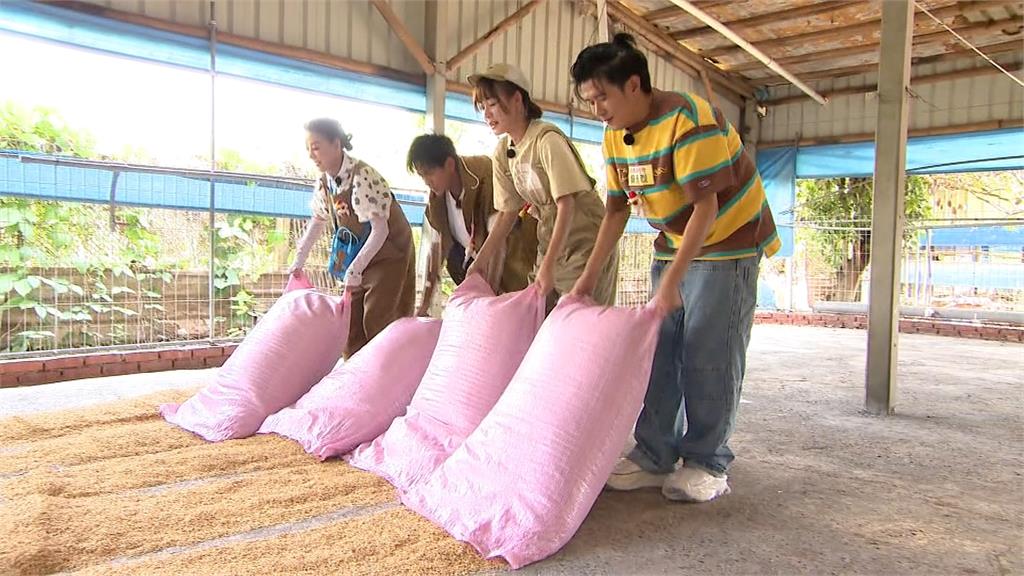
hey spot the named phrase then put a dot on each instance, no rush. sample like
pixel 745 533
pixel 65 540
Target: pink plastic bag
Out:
pixel 520 486
pixel 298 281
pixel 483 339
pixel 361 397
pixel 290 349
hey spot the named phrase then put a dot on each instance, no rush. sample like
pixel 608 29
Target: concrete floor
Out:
pixel 818 487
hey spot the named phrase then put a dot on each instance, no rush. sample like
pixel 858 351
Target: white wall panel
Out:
pixel 977 99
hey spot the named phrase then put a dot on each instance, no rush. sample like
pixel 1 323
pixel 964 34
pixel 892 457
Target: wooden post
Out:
pixel 888 212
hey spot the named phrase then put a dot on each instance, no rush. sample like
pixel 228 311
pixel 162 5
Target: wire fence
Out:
pixel 131 277
pixel 136 277
pixel 958 269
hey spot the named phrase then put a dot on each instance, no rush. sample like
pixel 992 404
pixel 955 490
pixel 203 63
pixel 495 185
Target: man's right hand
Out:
pixel 478 267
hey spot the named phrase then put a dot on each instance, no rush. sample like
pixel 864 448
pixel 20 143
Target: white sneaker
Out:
pixel 627 475
pixel 692 484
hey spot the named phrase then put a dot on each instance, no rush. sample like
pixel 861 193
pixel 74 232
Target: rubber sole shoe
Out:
pixel 694 485
pixel 628 476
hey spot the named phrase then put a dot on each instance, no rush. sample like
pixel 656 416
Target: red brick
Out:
pixel 176 354
pixel 229 349
pixel 65 362
pixel 141 356
pixel 188 363
pixel 156 365
pixel 82 372
pixel 214 361
pixel 20 366
pixel 33 378
pixel 120 368
pixel 94 359
pixel 207 352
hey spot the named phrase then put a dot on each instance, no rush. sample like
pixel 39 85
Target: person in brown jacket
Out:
pixel 461 210
pixel 372 249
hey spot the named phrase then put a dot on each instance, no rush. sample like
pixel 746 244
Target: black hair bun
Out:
pixel 624 40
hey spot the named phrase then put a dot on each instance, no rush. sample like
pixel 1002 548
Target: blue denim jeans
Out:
pixel 694 392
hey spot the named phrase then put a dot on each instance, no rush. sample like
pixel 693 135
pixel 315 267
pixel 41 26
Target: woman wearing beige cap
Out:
pixel 538 172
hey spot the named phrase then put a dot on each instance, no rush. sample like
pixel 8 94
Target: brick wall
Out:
pixel 60 368
pixel 1001 333
pixel 32 371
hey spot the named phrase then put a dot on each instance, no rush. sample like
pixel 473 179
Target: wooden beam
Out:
pixel 869 136
pixel 959 54
pixel 768 18
pixel 708 91
pixel 837 53
pixel 491 34
pixel 669 12
pixel 679 54
pixel 303 54
pixel 985 70
pixel 869 26
pixel 749 48
pixel 809 57
pixel 410 42
pixel 725 93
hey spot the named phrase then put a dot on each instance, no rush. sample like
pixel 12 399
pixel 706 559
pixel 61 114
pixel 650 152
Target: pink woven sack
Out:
pixel 362 396
pixel 522 483
pixel 289 350
pixel 483 339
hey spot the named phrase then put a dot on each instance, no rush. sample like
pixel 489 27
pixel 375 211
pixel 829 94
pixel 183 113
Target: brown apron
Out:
pixel 388 291
pixel 477 209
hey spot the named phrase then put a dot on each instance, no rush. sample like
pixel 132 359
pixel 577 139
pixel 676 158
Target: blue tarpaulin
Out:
pixel 53 178
pixel 778 171
pixel 966 152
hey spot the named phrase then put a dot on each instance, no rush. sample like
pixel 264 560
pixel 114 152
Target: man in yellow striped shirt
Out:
pixel 678 161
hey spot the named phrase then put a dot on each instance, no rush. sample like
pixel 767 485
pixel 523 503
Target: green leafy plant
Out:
pixel 836 218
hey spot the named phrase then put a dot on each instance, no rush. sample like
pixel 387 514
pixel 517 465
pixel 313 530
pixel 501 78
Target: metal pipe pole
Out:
pixel 213 167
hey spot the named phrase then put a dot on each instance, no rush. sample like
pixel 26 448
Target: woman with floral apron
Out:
pixel 539 174
pixel 371 247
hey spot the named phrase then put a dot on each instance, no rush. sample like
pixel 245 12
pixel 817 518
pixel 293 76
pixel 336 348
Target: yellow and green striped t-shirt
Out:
pixel 687 151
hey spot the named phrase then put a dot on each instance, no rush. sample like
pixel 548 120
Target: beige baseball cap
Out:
pixel 502 72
